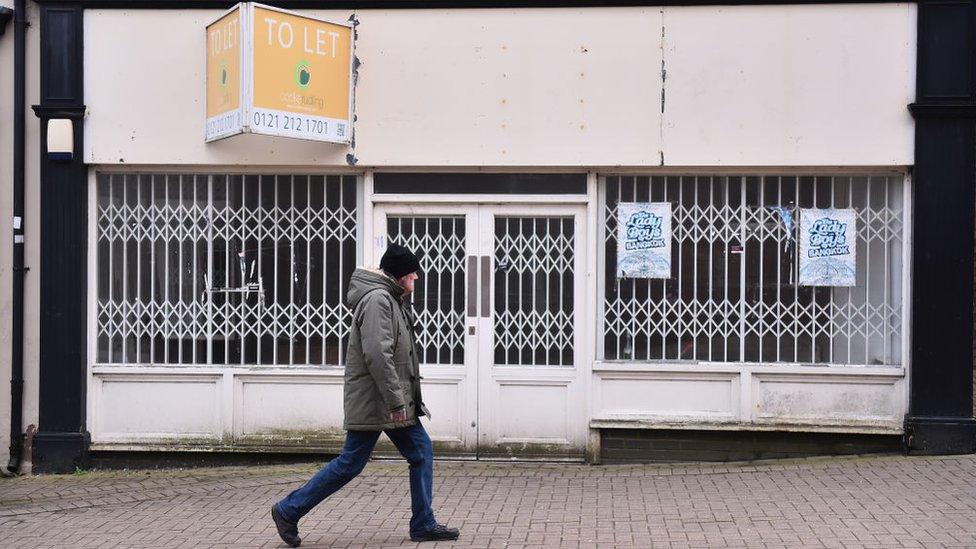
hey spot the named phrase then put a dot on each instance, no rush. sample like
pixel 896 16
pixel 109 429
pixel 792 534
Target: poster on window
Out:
pixel 644 240
pixel 828 246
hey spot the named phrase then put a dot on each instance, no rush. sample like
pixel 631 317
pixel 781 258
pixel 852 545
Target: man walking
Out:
pixel 382 393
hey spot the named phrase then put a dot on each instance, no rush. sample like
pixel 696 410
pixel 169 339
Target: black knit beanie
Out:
pixel 399 261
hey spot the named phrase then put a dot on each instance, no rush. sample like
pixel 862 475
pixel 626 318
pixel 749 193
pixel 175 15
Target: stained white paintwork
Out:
pixel 841 398
pixel 217 406
pixel 809 399
pixel 748 85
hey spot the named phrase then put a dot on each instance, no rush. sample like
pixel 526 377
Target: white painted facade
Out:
pixel 744 86
pixel 31 230
pixel 816 90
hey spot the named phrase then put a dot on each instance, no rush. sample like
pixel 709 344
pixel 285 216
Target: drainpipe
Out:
pixel 17 336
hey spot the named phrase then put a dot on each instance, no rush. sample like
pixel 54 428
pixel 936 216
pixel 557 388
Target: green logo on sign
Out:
pixel 223 76
pixel 303 74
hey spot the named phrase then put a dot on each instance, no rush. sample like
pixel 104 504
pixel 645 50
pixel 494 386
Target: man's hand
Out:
pixel 399 416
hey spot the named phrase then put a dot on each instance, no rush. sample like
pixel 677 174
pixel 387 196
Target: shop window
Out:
pixel 733 295
pixel 223 269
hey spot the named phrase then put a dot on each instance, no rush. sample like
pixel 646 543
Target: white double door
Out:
pixel 500 329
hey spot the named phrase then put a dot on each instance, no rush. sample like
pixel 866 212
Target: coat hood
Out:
pixel 365 280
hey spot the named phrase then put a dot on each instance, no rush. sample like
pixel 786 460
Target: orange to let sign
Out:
pixel 302 76
pixel 297 76
pixel 224 62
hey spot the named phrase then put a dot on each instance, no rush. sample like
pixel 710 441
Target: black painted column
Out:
pixel 62 441
pixel 940 418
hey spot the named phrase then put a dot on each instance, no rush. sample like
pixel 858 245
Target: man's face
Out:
pixel 407 282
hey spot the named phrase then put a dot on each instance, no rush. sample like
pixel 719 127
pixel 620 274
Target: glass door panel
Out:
pixel 439 297
pixel 534 292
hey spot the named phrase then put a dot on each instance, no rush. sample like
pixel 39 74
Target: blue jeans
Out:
pixel 412 442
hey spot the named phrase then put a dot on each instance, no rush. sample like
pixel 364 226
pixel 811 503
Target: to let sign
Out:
pixel 276 72
pixel 225 59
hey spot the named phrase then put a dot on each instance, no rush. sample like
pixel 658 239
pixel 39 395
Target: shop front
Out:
pixel 219 318
pixel 232 286
pixel 521 152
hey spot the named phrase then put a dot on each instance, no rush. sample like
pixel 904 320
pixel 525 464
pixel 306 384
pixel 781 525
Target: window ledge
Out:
pixel 747 367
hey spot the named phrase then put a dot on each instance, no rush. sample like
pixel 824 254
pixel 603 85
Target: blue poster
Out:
pixel 644 240
pixel 828 247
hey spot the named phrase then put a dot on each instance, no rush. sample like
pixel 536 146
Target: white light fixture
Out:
pixel 60 139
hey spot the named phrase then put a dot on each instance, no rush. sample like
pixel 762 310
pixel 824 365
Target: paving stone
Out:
pixel 892 501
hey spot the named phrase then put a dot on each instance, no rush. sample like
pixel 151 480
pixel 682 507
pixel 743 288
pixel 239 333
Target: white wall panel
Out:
pixel 791 85
pixel 751 396
pixel 154 406
pixel 445 401
pixel 750 85
pixel 817 399
pixel 675 396
pixel 510 87
pixel 288 406
pixel 534 412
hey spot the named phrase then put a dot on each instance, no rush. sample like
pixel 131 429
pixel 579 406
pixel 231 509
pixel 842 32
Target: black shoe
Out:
pixel 287 530
pixel 437 533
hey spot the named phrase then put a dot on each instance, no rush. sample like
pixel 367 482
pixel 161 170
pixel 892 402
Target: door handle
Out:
pixel 472 285
pixel 485 283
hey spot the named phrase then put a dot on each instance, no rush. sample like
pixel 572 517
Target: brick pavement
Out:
pixel 890 501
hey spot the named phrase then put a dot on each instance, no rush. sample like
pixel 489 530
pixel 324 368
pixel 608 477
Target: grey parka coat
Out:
pixel 382 367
